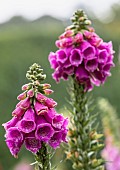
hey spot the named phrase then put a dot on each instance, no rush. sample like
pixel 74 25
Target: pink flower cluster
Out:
pixel 84 55
pixel 35 121
pixel 111 154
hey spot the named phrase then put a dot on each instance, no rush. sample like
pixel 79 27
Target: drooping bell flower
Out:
pixel 14 146
pixel 32 143
pixel 40 108
pixel 10 123
pixel 25 104
pixel 55 140
pixel 18 112
pixel 14 133
pixel 44 130
pixel 27 123
pixel 58 121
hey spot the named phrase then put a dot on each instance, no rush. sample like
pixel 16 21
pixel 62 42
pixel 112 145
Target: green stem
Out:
pixel 81 116
pixel 43 159
pixel 83 146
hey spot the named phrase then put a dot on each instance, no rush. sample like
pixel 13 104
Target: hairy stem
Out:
pixel 43 159
pixel 83 146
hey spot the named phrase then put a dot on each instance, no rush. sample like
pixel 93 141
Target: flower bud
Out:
pixel 46 86
pixel 66 34
pixel 48 91
pixel 22 96
pixel 26 86
pixel 30 93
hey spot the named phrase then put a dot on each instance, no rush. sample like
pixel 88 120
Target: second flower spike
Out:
pixel 35 121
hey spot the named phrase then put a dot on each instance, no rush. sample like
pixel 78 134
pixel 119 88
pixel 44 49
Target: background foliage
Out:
pixel 24 42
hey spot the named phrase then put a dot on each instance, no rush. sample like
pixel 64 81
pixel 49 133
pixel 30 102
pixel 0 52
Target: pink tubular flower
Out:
pixel 76 57
pixel 25 104
pixel 40 108
pixel 18 112
pixel 87 57
pixel 14 147
pixel 27 123
pixel 88 50
pixel 67 33
pixel 49 116
pixel 10 123
pixel 46 86
pixel 91 64
pixel 44 132
pixel 61 56
pixel 78 38
pixel 57 121
pixel 32 144
pixel 55 140
pixel 53 60
pixel 50 103
pixel 40 97
pixel 14 134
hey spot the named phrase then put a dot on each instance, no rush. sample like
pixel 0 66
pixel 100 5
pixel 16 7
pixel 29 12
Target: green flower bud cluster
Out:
pixel 35 73
pixel 80 21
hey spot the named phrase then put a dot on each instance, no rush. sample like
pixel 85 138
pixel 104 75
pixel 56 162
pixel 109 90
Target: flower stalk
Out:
pixel 84 144
pixel 43 159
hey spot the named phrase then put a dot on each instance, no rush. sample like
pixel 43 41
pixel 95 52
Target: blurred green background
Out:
pixel 24 42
